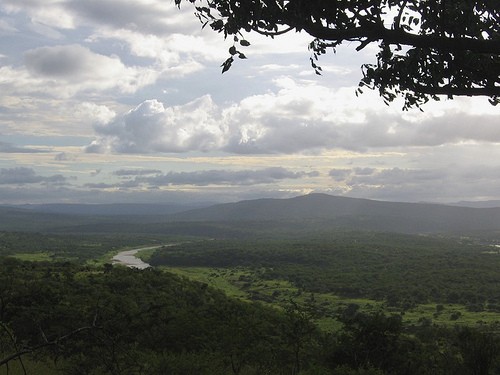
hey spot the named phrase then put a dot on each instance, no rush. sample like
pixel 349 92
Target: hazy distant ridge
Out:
pixel 306 213
pixel 352 212
pixel 112 209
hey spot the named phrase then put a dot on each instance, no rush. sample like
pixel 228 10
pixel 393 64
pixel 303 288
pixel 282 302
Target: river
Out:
pixel 128 258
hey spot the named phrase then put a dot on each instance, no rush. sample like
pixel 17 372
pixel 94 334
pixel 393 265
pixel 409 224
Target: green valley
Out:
pixel 248 297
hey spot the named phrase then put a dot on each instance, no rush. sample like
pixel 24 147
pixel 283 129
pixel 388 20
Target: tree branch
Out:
pixel 14 342
pixel 54 342
pixel 400 14
pixel 13 356
pixel 376 32
pixel 458 91
pixel 272 34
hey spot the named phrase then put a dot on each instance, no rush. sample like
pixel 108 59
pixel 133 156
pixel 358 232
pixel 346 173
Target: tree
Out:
pixel 426 48
pixel 299 331
pixel 478 349
pixel 369 340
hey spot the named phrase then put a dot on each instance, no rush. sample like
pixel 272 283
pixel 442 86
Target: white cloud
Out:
pixel 65 71
pixel 339 174
pixel 63 156
pixel 73 68
pixel 44 115
pixel 446 182
pixel 149 17
pixel 154 28
pixel 45 12
pixel 151 127
pixel 6 147
pixel 96 114
pixel 300 116
pixel 225 177
pixel 154 179
pixel 141 77
pixel 136 172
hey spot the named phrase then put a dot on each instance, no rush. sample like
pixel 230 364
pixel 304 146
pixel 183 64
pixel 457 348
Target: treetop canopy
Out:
pixel 425 48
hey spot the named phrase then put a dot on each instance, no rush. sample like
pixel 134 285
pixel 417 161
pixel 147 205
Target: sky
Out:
pixel 109 101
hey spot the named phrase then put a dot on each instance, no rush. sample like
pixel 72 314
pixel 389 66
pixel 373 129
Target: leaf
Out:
pixel 244 43
pixel 227 64
pixel 232 50
pixel 217 25
pixel 242 56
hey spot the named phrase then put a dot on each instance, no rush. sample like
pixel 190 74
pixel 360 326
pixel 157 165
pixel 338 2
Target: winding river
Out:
pixel 128 258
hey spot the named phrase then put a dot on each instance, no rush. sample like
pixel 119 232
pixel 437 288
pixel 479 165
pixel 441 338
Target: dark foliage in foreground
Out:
pixel 75 320
pixel 425 48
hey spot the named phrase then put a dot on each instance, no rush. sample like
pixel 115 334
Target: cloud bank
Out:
pixel 298 117
pixel 23 175
pixel 138 82
pixel 155 179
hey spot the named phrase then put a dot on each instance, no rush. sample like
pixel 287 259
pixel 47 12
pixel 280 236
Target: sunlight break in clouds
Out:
pixel 151 127
pixel 290 120
pixel 139 83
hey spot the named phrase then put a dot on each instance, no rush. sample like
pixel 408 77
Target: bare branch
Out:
pixel 14 343
pixel 26 350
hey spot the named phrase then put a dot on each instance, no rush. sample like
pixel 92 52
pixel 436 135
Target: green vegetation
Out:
pixel 402 270
pixel 34 257
pixel 121 321
pixel 64 318
pixel 247 285
pixel 95 249
pixel 331 303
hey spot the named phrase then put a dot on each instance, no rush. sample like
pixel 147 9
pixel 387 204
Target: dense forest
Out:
pixel 402 269
pixel 305 303
pixel 70 319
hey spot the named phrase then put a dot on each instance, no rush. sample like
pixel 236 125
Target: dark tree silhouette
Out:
pixel 426 48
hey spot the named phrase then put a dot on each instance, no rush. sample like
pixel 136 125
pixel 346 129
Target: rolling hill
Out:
pixel 352 213
pixel 314 212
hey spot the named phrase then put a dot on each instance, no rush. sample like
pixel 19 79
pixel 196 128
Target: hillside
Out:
pixel 352 213
pixel 112 209
pixel 303 214
pixel 19 219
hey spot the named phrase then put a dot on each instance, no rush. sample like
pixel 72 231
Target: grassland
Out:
pixel 247 284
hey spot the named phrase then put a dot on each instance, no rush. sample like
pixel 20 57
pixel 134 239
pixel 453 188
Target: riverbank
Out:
pixel 128 258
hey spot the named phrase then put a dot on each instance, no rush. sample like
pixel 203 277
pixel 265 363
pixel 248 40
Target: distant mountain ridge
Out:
pixel 353 213
pixel 77 217
pixel 111 209
pixel 477 204
pixel 313 212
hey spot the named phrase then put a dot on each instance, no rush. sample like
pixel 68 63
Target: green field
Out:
pixel 246 285
pixel 346 303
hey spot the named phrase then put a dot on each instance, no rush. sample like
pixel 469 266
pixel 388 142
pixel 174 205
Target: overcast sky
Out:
pixel 124 101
